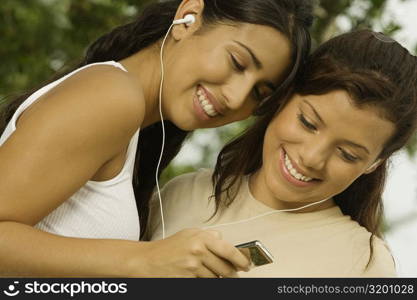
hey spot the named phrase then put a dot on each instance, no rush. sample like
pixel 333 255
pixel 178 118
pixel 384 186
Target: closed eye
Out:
pixel 348 156
pixel 236 64
pixel 306 123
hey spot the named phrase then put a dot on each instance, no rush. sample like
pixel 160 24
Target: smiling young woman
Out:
pixel 76 177
pixel 317 146
pixel 307 178
pixel 223 76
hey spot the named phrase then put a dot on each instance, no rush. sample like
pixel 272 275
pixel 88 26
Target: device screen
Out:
pixel 256 252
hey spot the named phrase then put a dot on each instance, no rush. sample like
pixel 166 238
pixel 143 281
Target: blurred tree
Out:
pixel 39 37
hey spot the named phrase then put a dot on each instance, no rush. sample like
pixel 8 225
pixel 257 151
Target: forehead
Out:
pixel 270 46
pixel 266 42
pixel 261 37
pixel 344 120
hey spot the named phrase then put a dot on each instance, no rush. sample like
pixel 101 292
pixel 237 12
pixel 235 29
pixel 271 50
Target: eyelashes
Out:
pixel 347 156
pixel 241 68
pixel 306 124
pixel 236 64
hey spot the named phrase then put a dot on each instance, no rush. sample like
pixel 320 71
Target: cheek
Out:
pixel 341 176
pixel 286 130
pixel 209 65
pixel 217 73
pixel 271 145
pixel 190 73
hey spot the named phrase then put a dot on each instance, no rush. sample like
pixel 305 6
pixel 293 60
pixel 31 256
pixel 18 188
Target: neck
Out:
pixel 260 191
pixel 144 67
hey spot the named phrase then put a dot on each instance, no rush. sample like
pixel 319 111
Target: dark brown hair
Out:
pixel 376 71
pixel 290 17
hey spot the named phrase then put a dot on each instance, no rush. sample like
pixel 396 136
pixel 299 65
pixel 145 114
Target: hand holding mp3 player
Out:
pixel 256 252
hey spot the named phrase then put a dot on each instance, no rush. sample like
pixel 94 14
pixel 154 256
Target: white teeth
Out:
pixel 294 172
pixel 209 109
pixel 205 104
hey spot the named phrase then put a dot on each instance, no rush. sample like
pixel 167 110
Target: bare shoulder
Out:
pixel 110 88
pixel 62 140
pixel 102 91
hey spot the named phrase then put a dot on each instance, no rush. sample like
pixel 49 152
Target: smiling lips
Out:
pixel 206 102
pixel 293 171
pixel 292 175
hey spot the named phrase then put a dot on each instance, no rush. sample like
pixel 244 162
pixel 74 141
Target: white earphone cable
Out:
pixel 163 131
pixel 265 214
pixel 163 146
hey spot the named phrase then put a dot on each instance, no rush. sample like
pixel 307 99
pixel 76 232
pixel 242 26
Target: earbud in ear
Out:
pixel 187 20
pixel 371 167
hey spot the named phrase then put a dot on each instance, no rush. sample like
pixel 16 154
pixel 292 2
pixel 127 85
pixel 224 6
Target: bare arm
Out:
pixel 28 252
pixel 59 144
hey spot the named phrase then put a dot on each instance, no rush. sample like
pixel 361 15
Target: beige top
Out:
pixel 323 243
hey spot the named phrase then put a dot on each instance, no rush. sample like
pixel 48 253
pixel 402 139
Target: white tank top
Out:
pixel 99 209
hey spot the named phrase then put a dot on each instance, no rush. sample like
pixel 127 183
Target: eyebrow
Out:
pixel 314 110
pixel 257 63
pixel 356 145
pixel 345 141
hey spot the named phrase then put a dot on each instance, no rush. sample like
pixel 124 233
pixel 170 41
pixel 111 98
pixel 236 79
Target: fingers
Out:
pixel 204 272
pixel 219 266
pixel 230 253
pixel 203 253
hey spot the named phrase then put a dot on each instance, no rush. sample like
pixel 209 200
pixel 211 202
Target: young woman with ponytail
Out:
pixel 307 178
pixel 78 156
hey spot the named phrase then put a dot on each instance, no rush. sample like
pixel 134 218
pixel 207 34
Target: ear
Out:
pixel 193 7
pixel 373 167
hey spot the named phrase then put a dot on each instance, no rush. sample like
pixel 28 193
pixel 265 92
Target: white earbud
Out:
pixel 187 20
pixel 370 168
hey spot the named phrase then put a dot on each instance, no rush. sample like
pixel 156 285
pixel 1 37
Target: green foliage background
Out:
pixel 40 37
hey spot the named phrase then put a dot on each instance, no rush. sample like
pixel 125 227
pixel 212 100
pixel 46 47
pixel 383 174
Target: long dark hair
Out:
pixel 376 71
pixel 290 17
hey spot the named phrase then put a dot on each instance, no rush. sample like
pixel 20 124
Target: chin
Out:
pixel 186 126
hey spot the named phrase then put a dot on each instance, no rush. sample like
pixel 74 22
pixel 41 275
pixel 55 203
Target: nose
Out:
pixel 314 153
pixel 237 92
